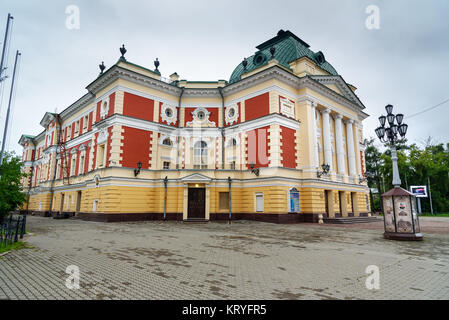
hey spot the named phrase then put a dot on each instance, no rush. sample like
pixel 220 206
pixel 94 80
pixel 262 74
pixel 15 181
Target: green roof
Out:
pixel 288 48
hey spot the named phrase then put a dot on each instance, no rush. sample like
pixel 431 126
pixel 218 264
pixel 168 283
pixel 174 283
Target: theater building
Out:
pixel 280 141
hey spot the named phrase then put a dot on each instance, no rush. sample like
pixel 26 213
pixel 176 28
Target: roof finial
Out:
pixel 245 63
pixel 102 67
pixel 156 63
pixel 272 51
pixel 123 51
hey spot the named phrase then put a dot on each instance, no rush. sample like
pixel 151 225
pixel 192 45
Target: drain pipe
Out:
pixel 222 129
pixel 179 124
pixel 165 198
pixel 230 203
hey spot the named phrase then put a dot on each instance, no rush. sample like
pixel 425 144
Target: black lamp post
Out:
pixel 137 171
pixel 390 135
pixel 399 206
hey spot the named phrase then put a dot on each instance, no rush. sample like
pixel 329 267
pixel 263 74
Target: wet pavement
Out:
pixel 244 260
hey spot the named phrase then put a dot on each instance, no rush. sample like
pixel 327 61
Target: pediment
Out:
pixel 196 177
pixel 338 85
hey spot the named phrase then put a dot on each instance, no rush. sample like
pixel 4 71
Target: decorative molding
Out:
pixel 231 114
pixel 169 113
pixel 200 117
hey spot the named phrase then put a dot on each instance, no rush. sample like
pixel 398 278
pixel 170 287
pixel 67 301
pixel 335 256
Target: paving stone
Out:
pixel 244 260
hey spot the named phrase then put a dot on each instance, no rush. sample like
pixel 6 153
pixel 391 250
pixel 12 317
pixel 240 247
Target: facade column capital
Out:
pixel 325 110
pixel 348 121
pixel 337 116
pixel 312 103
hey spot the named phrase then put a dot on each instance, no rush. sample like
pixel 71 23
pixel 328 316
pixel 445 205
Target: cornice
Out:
pixel 117 72
pixel 82 102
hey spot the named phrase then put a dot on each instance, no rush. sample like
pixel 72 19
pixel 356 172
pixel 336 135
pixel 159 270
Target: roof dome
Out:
pixel 288 48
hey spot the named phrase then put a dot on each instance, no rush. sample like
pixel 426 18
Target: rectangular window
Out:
pixel 69 132
pixel 81 165
pixel 259 202
pixel 58 168
pixel 100 155
pixel 85 122
pixel 166 165
pixel 233 165
pixel 77 127
pixel 72 167
pixel 223 200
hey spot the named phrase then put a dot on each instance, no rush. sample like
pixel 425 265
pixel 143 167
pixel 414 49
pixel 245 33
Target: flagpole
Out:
pixel 9 107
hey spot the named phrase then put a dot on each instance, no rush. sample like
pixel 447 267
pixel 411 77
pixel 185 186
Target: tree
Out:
pixel 11 195
pixel 373 165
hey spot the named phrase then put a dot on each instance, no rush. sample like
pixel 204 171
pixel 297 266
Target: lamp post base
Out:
pixel 403 236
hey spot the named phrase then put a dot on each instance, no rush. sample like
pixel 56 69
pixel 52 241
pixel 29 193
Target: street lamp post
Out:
pixel 390 135
pixel 398 205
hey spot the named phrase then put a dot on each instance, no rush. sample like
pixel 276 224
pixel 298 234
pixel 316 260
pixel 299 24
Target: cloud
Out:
pixel 404 63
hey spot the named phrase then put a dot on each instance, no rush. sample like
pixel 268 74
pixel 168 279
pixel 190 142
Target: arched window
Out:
pixel 167 142
pixel 233 142
pixel 200 155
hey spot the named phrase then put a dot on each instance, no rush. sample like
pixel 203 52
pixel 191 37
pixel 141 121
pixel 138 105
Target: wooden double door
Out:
pixel 196 203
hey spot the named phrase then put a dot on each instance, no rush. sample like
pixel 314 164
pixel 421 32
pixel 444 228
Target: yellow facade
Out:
pixel 306 113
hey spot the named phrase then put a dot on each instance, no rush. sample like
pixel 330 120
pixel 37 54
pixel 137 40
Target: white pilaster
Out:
pixel 351 150
pixel 314 135
pixel 327 139
pixel 339 144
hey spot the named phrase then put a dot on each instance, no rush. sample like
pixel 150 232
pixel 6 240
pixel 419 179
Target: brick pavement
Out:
pixel 245 260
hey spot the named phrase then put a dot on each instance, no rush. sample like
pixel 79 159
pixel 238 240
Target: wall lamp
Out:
pixel 137 171
pixel 325 171
pixel 254 170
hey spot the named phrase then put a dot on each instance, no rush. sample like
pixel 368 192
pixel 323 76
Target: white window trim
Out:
pixel 258 194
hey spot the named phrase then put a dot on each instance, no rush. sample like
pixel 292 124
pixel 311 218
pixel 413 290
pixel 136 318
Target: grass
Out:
pixel 14 246
pixel 434 215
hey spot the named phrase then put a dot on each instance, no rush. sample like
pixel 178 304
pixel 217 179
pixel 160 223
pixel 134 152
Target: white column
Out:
pixel 350 144
pixel 314 136
pixel 327 138
pixel 339 144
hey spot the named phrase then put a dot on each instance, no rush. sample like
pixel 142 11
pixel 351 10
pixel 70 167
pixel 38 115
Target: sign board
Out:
pixel 293 200
pixel 419 191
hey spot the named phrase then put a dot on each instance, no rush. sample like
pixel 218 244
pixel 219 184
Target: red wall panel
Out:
pixel 288 147
pixel 257 147
pixel 257 107
pixel 136 147
pixel 138 107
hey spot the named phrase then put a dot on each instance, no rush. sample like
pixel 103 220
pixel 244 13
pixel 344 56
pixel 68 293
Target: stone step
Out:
pixel 196 220
pixel 351 220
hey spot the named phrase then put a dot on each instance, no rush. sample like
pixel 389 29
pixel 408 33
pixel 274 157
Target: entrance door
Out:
pixel 61 207
pixel 197 203
pixel 78 203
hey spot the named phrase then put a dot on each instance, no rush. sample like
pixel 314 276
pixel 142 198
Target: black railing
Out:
pixel 12 228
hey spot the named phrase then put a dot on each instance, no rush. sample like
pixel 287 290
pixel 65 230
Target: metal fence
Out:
pixel 12 228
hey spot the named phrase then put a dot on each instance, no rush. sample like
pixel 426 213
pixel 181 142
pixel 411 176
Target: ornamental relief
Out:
pixel 200 118
pixel 287 107
pixel 102 136
pixel 169 114
pixel 231 114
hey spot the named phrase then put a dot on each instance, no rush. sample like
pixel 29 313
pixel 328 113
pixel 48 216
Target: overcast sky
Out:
pixel 405 62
